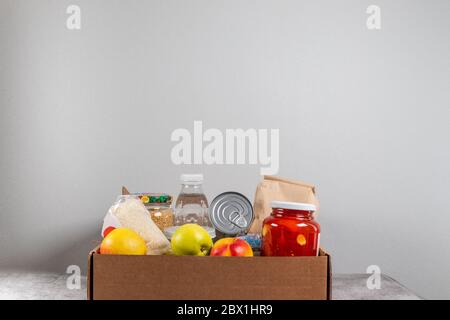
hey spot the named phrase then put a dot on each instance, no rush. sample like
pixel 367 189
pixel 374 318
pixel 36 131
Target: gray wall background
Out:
pixel 362 114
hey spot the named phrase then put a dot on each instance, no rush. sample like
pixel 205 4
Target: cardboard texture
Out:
pixel 208 278
pixel 276 188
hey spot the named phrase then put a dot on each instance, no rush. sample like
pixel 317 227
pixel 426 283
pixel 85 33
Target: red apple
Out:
pixel 107 230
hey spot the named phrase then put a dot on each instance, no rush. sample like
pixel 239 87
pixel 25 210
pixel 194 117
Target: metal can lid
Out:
pixel 231 213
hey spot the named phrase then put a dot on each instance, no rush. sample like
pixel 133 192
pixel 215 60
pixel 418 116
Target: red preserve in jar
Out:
pixel 290 230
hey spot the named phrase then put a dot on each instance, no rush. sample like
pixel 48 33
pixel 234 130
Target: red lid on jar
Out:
pixel 293 205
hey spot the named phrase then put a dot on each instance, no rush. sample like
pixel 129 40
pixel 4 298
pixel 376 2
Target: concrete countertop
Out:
pixel 42 286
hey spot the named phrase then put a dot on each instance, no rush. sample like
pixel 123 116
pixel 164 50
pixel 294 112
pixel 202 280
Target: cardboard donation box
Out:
pixel 293 267
pixel 209 278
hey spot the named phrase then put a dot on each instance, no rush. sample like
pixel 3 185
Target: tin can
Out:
pixel 231 213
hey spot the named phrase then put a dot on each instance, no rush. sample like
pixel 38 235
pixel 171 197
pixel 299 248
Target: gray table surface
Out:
pixel 42 286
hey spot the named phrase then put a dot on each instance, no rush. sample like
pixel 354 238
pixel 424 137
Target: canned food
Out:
pixel 231 213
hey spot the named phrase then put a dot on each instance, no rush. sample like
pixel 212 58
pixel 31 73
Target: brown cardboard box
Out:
pixel 205 278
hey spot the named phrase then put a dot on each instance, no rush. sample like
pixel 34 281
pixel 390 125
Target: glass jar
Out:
pixel 191 205
pixel 162 216
pixel 290 230
pixel 159 207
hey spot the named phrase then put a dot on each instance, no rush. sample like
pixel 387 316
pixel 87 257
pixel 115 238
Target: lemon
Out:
pixel 123 241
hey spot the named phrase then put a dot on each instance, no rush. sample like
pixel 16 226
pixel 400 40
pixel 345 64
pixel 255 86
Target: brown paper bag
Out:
pixel 275 188
pixel 125 191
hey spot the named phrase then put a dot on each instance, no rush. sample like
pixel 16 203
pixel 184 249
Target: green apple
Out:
pixel 191 240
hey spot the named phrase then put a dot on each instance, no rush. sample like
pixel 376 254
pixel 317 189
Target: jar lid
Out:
pixel 192 178
pixel 158 199
pixel 293 205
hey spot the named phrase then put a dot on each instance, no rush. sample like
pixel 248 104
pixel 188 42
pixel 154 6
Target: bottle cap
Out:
pixel 192 178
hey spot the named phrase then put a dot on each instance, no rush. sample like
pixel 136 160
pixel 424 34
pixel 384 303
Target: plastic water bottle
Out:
pixel 191 205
